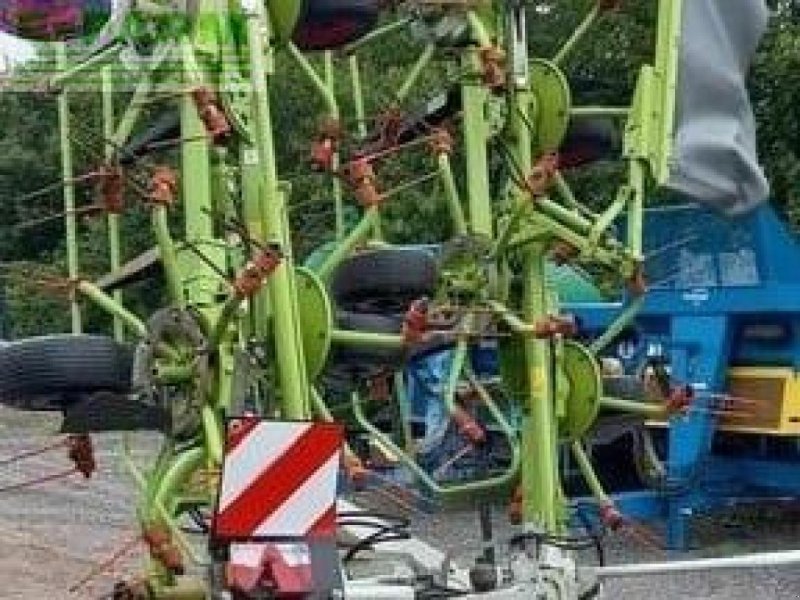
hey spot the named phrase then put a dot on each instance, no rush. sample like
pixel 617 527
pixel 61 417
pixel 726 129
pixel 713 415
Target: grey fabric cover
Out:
pixel 715 160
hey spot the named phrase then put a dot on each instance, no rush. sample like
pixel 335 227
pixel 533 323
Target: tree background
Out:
pixel 602 70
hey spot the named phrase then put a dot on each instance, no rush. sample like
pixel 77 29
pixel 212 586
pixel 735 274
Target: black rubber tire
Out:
pixel 626 387
pixel 588 141
pixel 392 276
pixel 104 412
pixel 330 24
pixel 63 364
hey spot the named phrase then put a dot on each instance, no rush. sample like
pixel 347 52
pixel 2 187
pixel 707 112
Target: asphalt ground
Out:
pixel 53 535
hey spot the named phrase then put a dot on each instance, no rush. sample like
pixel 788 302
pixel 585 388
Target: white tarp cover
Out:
pixel 715 159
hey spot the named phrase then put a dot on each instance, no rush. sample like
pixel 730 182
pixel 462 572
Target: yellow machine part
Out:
pixel 765 400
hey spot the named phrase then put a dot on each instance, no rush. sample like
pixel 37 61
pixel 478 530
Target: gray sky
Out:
pixel 13 49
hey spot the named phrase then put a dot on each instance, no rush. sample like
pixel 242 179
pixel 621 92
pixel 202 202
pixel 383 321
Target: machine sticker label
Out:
pixel 279 480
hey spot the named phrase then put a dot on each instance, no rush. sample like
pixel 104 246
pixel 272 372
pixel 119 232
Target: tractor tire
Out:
pixel 330 24
pixel 625 387
pixel 384 281
pixel 62 364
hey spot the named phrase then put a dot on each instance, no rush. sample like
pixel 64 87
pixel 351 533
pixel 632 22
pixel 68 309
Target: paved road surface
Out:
pixel 51 536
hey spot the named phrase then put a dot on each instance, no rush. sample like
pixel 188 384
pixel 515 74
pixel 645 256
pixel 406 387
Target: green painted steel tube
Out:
pixel 600 111
pixel 569 218
pixel 517 325
pixel 113 223
pixel 358 96
pixel 136 106
pixel 324 413
pixel 320 407
pixel 609 256
pixel 227 315
pixel 404 406
pixel 589 474
pixel 667 64
pixel 479 31
pixel 320 85
pixel 154 506
pixel 565 191
pixel 476 135
pixel 457 363
pixel 577 35
pixel 415 72
pixel 336 184
pixel 636 209
pixel 651 411
pixel 251 210
pixel 509 432
pixel 65 76
pixel 454 491
pixel 365 339
pixel 113 307
pixel 451 193
pixel 358 235
pixel 378 33
pixel 169 257
pixel 173 374
pixel 197 197
pixel 68 175
pixel 295 392
pixel 184 589
pixel 539 428
pixel 213 434
pixel 161 506
pixel 624 319
pixel 608 216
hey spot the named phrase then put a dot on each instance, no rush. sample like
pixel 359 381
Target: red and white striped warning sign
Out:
pixel 279 480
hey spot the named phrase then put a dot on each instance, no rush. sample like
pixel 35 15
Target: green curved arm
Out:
pixel 452 491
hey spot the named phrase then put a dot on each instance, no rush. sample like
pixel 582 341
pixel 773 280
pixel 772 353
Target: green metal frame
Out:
pixel 527 229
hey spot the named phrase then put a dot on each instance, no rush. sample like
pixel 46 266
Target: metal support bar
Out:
pixel 320 85
pixel 451 193
pixel 68 175
pixel 416 71
pixel 114 308
pixel 358 235
pixel 295 395
pixel 113 223
pixel 624 319
pixel 589 475
pixel 338 194
pixel 65 76
pixel 378 33
pixel 579 33
pixel 747 561
pixel 358 97
pixel 365 339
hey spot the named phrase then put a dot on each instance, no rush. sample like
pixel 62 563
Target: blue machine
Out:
pixel 723 313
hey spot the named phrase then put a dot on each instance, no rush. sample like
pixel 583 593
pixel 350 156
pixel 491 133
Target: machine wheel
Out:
pixel 384 281
pixel 329 24
pixel 625 387
pixel 63 364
